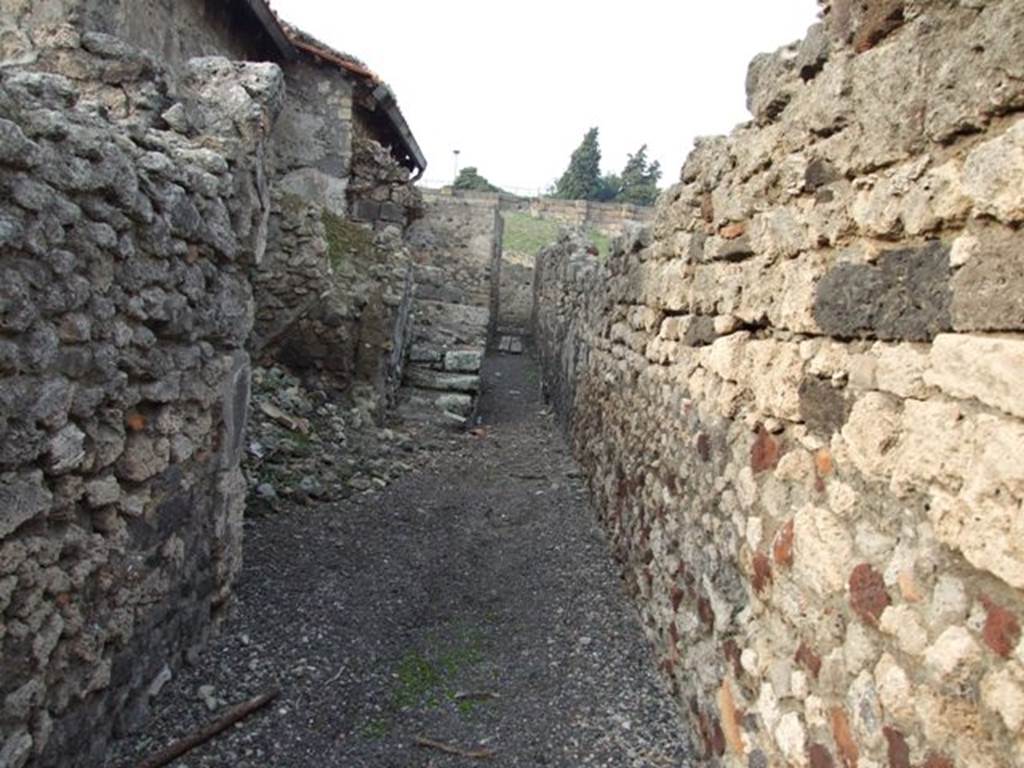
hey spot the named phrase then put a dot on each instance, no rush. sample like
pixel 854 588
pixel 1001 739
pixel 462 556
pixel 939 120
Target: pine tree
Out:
pixel 640 179
pixel 582 179
pixel 611 188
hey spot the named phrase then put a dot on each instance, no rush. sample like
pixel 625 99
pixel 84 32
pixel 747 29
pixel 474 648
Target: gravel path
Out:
pixel 472 602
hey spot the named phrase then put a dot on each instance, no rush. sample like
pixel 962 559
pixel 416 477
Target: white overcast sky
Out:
pixel 514 86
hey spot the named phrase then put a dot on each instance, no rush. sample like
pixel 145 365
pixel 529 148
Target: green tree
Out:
pixel 610 189
pixel 640 179
pixel 469 178
pixel 582 179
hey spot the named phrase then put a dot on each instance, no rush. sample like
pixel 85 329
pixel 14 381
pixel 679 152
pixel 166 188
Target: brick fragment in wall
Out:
pixel 880 18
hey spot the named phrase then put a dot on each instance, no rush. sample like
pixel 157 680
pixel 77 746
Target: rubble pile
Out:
pixel 305 446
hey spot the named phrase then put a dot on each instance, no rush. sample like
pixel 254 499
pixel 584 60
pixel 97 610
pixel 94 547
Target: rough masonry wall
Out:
pixel 334 295
pixel 799 400
pixel 380 189
pixel 515 287
pixel 313 137
pixel 125 248
pixel 334 300
pixel 173 30
pixel 456 247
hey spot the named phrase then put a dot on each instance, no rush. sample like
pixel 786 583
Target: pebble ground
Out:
pixel 473 603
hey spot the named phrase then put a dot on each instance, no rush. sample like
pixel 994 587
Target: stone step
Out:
pixel 512 345
pixel 464 360
pixel 427 378
pixel 426 355
pixel 450 409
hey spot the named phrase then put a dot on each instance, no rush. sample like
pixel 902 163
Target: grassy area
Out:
pixel 527 235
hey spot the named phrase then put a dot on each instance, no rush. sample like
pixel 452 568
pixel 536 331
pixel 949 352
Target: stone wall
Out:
pixel 173 30
pixel 334 295
pixel 798 399
pixel 515 274
pixel 124 306
pixel 313 137
pixel 456 245
pixel 515 302
pixel 334 300
pixel 607 218
pixel 380 191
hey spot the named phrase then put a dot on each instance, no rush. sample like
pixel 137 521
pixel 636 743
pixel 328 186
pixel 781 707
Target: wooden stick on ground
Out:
pixel 475 695
pixel 478 754
pixel 207 732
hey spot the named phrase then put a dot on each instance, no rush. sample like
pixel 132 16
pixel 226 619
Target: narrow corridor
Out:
pixel 473 603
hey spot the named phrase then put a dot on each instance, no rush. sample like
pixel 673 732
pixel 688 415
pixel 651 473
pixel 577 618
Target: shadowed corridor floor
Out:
pixel 473 603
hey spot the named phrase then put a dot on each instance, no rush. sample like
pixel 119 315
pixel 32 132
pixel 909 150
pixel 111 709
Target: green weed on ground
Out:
pixel 428 678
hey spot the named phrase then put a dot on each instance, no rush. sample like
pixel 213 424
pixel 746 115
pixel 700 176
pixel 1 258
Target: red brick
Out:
pixel 765 453
pixel 762 571
pixel 135 421
pixel 782 549
pixel 677 598
pixel 710 734
pixel 806 656
pixel 881 19
pixel 868 597
pixel 823 462
pixel 707 616
pixel 731 718
pixel 899 752
pixel 843 737
pixel 1002 630
pixel 937 760
pixel 820 757
pixel 731 651
pixel 717 736
pixel 733 230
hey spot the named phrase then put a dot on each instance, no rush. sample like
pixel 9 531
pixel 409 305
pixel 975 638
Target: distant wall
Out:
pixel 513 276
pixel 607 218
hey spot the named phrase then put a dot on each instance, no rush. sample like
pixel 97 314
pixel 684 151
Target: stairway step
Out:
pixel 427 378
